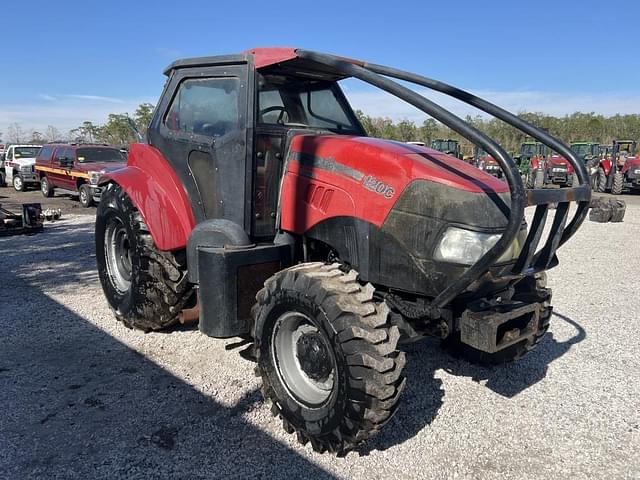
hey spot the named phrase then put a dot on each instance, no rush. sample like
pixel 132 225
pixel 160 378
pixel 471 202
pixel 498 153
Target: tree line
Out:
pixel 117 130
pixel 570 128
pixel 577 126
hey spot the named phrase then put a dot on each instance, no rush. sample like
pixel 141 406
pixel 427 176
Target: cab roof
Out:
pixel 281 58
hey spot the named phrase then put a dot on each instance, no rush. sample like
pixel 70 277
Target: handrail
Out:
pixel 377 75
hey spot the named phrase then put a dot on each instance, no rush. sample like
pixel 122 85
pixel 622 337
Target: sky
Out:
pixel 64 62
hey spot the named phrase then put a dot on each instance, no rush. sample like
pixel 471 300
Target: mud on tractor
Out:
pixel 619 170
pixel 260 207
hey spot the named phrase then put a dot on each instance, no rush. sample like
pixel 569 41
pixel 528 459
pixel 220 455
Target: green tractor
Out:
pixel 530 161
pixel 448 146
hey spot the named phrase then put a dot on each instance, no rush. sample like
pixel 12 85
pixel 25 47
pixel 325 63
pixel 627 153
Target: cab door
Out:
pixel 202 127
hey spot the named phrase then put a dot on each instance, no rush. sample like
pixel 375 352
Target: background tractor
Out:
pixel 619 170
pixel 261 209
pixel 448 146
pixel 531 163
pixel 486 162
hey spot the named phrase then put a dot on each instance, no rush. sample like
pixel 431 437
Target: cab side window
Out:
pixel 205 106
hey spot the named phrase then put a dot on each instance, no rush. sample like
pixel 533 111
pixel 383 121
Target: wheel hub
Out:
pixel 118 255
pixel 303 359
pixel 313 357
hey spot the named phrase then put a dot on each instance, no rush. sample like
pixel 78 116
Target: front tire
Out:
pixel 146 288
pixel 86 197
pixel 618 183
pixel 18 183
pixel 600 181
pixel 326 352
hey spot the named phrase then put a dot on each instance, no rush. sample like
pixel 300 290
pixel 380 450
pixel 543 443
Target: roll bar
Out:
pixel 529 260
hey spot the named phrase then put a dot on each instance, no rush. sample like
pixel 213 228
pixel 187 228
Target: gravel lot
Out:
pixel 84 397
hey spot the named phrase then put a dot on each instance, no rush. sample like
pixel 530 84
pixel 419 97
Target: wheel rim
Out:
pixel 303 359
pixel 44 186
pixel 83 195
pixel 17 183
pixel 118 255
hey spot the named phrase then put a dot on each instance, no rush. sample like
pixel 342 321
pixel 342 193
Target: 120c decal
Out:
pixel 372 183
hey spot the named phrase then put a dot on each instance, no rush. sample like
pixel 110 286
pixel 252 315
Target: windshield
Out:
pixel 296 102
pixel 582 149
pixel 25 152
pixel 100 155
pixel 444 145
pixel 531 149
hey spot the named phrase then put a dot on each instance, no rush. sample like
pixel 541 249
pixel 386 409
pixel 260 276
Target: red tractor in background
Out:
pixel 486 162
pixel 619 170
pixel 558 171
pixel 260 208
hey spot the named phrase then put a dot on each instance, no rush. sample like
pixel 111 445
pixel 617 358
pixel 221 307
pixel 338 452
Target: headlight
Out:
pixel 637 171
pixel 94 177
pixel 467 247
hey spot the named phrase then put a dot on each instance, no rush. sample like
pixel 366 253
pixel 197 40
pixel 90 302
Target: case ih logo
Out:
pixel 372 183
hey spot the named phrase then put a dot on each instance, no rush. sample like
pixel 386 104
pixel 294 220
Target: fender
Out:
pixel 157 192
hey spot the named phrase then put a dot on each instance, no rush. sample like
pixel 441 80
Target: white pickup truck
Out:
pixel 19 163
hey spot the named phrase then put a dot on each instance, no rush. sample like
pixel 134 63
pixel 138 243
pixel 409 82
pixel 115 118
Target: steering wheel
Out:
pixel 275 108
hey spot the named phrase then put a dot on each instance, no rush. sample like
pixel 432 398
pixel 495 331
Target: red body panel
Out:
pixel 363 177
pixel 606 166
pixel 264 57
pixel 631 163
pixel 157 192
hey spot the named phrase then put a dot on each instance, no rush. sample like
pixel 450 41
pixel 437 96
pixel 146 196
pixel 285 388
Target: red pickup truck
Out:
pixel 76 168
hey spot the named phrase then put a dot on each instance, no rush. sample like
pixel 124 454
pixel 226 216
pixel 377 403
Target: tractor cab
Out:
pixel 448 146
pixel 588 151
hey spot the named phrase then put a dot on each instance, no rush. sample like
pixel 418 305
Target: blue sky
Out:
pixel 67 61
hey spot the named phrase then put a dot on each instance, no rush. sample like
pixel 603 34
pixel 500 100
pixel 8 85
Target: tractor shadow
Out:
pixel 78 403
pixel 424 393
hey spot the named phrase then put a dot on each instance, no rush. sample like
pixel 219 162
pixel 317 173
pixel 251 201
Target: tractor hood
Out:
pixel 394 162
pixel 364 177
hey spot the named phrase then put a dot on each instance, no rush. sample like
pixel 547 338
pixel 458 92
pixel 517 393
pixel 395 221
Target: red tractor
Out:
pixel 558 171
pixel 486 162
pixel 260 207
pixel 619 170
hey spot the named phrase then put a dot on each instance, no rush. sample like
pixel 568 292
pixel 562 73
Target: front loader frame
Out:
pixel 530 260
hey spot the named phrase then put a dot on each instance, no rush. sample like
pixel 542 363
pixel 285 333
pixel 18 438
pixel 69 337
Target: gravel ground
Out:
pixel 84 397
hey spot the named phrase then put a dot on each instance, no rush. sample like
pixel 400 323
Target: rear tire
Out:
pixel 618 183
pixel 145 287
pixel 86 197
pixel 348 387
pixel 45 188
pixel 600 181
pixel 529 289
